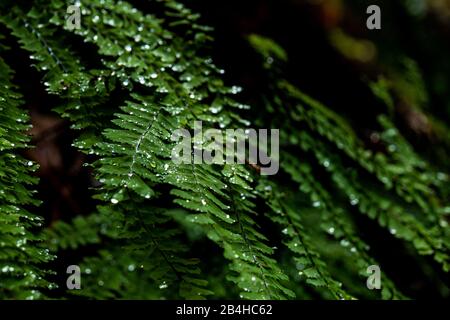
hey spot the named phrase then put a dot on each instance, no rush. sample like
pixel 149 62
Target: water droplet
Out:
pixel 353 200
pixel 215 110
pixel 344 243
pixel 392 148
pixel 131 267
pixel 235 89
pixel 7 269
pixel 52 286
pixel 110 22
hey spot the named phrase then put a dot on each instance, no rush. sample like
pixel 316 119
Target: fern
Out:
pixel 321 124
pixel 126 81
pixel 22 255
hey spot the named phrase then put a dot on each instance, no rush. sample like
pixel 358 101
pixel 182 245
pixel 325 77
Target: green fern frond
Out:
pixel 21 254
pixel 308 261
pixel 127 82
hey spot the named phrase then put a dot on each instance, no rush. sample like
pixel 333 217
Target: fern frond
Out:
pixel 128 82
pixel 21 255
pixel 308 261
pixel 335 222
pixel 134 158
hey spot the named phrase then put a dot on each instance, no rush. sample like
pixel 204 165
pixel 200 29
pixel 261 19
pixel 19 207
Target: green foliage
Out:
pixel 148 76
pixel 409 207
pixel 21 255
